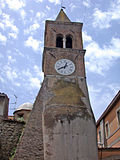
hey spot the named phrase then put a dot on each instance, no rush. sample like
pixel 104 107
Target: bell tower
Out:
pixel 61 125
pixel 63 40
pixel 69 129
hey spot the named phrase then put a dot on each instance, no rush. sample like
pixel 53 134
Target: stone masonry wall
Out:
pixel 31 142
pixel 10 132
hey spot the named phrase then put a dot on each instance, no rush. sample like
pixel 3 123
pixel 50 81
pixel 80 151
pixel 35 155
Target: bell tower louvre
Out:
pixel 61 125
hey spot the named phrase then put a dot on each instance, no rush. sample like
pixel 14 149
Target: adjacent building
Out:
pixel 23 111
pixel 108 130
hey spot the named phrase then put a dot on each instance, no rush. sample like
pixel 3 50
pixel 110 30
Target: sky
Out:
pixel 22 25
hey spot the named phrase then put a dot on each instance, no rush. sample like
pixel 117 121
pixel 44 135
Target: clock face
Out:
pixel 65 66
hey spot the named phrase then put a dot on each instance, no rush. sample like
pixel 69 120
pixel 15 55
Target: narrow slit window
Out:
pixel 100 138
pixel 59 41
pixel 107 130
pixel 68 42
pixel 118 116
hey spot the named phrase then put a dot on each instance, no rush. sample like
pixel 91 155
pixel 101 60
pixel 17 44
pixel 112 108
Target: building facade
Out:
pixel 108 129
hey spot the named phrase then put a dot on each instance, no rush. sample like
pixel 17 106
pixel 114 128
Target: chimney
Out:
pixel 4 103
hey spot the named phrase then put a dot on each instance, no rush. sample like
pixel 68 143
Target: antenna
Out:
pixel 14 108
pixel 15 101
pixel 62 7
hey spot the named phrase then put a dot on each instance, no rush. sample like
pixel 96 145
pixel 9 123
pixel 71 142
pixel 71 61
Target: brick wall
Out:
pixel 10 132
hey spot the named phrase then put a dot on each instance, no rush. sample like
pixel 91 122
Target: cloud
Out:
pixel 26 73
pixel 17 84
pixel 103 94
pixel 39 1
pixel 10 73
pixel 86 38
pixel 38 72
pixel 99 60
pixel 15 4
pixel 72 6
pixel 102 19
pixel 12 35
pixel 2 4
pixel 94 90
pixel 1 25
pixel 7 24
pixel 114 87
pixel 32 28
pixel 86 3
pixel 11 59
pixel 3 39
pixel 34 82
pixel 31 42
pixel 39 15
pixel 1 79
pixel 47 7
pixel 22 13
pixel 115 10
pixel 19 53
pixel 103 99
pixel 54 1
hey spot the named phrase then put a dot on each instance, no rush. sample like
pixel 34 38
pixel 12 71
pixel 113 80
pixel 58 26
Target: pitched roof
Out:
pixel 110 106
pixel 62 16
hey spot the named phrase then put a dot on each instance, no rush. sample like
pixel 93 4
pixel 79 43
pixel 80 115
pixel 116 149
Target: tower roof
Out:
pixel 62 17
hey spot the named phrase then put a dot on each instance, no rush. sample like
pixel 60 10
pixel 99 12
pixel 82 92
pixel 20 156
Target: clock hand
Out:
pixel 60 68
pixel 65 65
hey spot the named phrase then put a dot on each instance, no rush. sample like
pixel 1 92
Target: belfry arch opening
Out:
pixel 59 41
pixel 68 41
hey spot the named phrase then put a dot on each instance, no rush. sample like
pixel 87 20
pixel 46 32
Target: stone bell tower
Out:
pixel 69 130
pixel 61 125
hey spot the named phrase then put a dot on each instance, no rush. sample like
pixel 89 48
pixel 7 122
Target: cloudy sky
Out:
pixel 21 47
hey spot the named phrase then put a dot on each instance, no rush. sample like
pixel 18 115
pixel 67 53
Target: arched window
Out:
pixel 69 41
pixel 59 41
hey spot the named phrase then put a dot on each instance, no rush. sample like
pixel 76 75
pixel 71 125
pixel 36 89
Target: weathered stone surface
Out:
pixel 62 121
pixel 69 128
pixel 10 132
pixel 31 143
pixel 67 93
